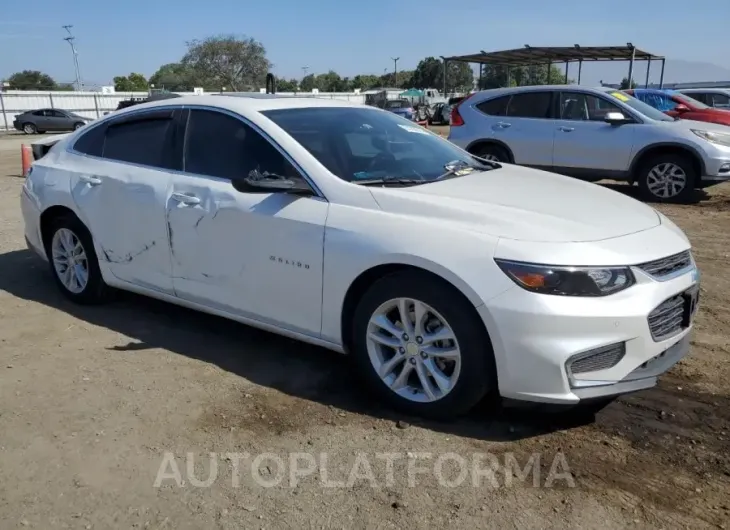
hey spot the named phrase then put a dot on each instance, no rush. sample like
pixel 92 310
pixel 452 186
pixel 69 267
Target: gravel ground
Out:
pixel 99 404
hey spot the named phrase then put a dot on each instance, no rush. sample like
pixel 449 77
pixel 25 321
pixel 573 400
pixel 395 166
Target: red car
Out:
pixel 680 105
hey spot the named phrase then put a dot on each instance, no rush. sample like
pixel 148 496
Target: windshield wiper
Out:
pixel 390 181
pixel 459 168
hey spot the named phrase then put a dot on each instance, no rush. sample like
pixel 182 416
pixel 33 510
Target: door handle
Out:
pixel 91 180
pixel 185 198
pixel 566 129
pixel 503 125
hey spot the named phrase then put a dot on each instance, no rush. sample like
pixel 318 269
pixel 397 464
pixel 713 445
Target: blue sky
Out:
pixel 119 37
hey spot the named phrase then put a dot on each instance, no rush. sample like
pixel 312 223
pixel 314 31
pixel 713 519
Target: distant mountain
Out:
pixel 675 71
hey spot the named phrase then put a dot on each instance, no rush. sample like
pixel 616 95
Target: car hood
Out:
pixel 523 204
pixel 687 125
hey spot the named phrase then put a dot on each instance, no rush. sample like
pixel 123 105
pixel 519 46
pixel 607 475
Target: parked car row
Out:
pixel 594 134
pixel 445 276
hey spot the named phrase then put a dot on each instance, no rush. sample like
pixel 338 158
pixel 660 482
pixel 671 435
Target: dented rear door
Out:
pixel 119 182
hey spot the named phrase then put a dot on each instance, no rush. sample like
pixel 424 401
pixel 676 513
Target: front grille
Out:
pixel 662 268
pixel 598 359
pixel 668 318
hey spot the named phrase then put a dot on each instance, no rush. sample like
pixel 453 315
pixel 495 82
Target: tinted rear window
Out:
pixel 494 107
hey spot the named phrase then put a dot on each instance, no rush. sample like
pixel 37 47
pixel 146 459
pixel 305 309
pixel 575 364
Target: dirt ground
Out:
pixel 92 399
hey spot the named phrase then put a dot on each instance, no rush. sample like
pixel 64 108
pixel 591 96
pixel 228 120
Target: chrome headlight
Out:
pixel 713 137
pixel 568 281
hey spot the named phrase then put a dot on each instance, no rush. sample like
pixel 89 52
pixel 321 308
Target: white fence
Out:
pixel 95 104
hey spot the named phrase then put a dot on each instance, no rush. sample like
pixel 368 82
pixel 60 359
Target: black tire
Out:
pixel 30 128
pixel 477 377
pixel 686 195
pixel 492 152
pixel 96 290
pixel 78 125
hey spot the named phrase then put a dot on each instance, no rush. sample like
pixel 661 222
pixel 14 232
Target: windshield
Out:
pixel 639 106
pixel 362 144
pixel 690 101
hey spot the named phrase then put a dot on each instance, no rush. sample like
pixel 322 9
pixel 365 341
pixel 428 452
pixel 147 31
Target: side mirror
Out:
pixel 681 107
pixel 257 183
pixel 615 118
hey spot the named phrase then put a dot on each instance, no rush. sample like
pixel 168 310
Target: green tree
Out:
pixel 308 83
pixel 364 81
pixel 31 80
pixel 174 77
pixel 495 76
pixel 625 84
pixel 429 73
pixel 131 83
pixel 227 61
pixel 284 85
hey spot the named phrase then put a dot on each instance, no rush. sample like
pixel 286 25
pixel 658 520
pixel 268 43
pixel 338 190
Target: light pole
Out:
pixel 70 39
pixel 395 70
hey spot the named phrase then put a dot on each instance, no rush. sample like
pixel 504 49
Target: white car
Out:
pixel 446 278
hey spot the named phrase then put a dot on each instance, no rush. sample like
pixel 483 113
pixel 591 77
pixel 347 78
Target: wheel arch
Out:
pixel 367 277
pixel 666 147
pixel 48 216
pixel 491 141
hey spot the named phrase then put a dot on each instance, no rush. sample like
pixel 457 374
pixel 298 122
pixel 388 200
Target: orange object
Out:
pixel 26 158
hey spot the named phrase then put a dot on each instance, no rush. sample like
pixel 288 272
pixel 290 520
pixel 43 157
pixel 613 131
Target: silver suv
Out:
pixel 594 134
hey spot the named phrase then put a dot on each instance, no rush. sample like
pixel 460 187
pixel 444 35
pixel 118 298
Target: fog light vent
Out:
pixel 598 359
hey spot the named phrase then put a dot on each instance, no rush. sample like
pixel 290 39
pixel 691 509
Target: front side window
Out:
pixel 219 145
pixel 690 101
pixel 361 144
pixel 578 106
pixel 636 105
pixel 145 141
pixel 720 100
pixel 43 112
pixel 529 105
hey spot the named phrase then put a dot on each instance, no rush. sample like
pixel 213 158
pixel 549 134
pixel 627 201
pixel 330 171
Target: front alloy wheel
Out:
pixel 420 345
pixel 414 350
pixel 668 178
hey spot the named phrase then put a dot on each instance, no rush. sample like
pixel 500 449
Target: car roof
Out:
pixel 660 91
pixel 237 102
pixel 721 90
pixel 494 92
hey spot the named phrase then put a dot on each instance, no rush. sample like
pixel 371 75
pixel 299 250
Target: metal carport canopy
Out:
pixel 529 55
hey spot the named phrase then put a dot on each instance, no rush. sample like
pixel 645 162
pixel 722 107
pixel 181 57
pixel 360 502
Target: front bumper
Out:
pixel 717 165
pixel 17 125
pixel 535 336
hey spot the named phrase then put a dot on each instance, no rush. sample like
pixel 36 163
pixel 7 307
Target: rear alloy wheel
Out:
pixel 29 128
pixel 78 125
pixel 492 152
pixel 421 346
pixel 73 261
pixel 668 178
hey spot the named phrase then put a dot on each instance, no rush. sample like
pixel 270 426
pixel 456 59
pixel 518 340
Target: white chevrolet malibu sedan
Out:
pixel 446 278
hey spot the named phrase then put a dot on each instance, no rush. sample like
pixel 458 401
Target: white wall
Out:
pixel 95 104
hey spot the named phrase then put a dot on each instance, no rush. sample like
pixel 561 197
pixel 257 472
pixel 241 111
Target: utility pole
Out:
pixel 70 39
pixel 305 69
pixel 395 70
